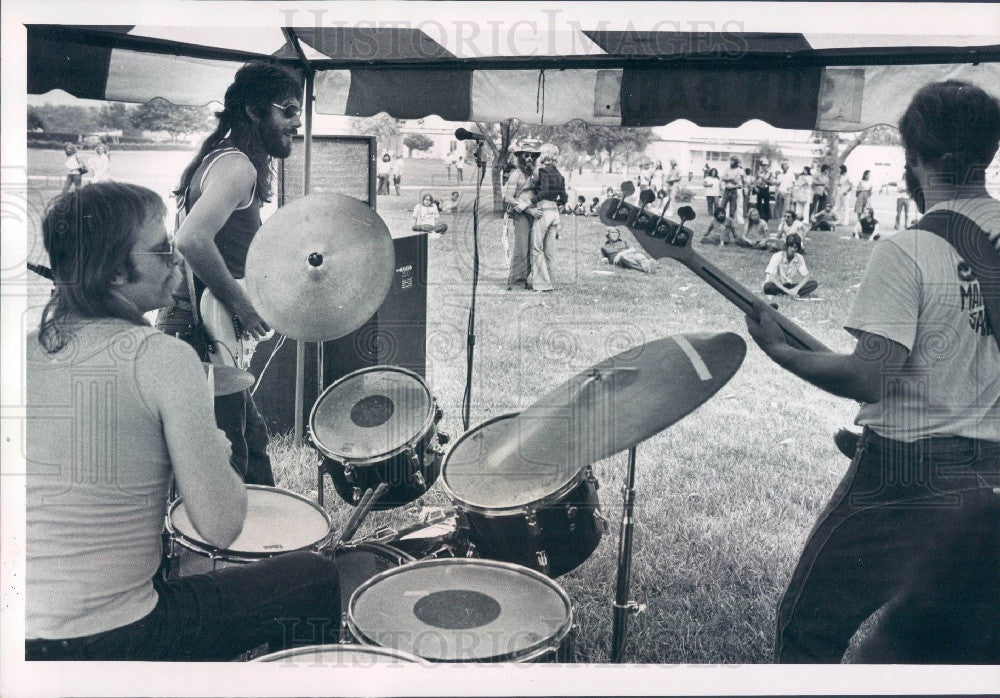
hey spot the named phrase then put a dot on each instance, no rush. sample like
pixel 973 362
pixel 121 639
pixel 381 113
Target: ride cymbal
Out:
pixel 320 267
pixel 616 404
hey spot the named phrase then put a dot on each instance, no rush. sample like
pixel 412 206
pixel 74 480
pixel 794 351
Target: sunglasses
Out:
pixel 288 111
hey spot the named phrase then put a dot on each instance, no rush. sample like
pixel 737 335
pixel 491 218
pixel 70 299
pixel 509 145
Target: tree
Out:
pixel 114 116
pixel 35 122
pixel 161 115
pixel 615 142
pixel 836 147
pixel 65 118
pixel 770 151
pixel 504 132
pixel 417 141
pixel 385 129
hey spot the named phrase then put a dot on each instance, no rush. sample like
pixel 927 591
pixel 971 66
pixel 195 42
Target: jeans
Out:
pixel 730 201
pixel 772 289
pixel 543 234
pixel 914 530
pixel 286 601
pixel 902 209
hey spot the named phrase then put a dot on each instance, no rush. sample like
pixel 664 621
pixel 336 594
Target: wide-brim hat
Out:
pixel 528 145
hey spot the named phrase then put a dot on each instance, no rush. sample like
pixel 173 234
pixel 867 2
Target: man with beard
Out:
pixel 913 531
pixel 221 192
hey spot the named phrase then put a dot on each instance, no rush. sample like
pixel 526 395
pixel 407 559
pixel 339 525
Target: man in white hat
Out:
pixel 549 195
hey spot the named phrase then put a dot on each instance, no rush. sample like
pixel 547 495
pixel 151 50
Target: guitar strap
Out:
pixel 973 245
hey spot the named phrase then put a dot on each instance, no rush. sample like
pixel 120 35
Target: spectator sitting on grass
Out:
pixel 867 226
pixel 580 209
pixel 754 232
pixel 786 273
pixel 425 216
pixel 824 219
pixel 721 230
pixel 619 253
pixel 450 205
pixel 595 204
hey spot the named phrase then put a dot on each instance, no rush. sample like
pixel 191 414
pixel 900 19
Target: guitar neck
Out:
pixel 743 298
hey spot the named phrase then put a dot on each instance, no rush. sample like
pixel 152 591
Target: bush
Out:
pixel 683 195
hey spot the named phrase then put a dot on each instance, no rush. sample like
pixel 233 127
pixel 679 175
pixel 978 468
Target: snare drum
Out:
pixel 540 515
pixel 378 425
pixel 463 611
pixel 277 521
pixel 340 656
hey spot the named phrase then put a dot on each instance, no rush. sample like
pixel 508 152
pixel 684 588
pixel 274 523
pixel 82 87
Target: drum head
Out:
pixel 277 521
pixel 461 611
pixel 371 413
pixel 473 478
pixel 347 656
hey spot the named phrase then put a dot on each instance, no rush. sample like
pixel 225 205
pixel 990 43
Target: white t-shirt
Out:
pixel 919 293
pixel 788 271
pixel 425 215
pixel 786 180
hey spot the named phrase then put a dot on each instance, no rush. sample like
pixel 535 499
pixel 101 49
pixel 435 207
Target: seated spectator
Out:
pixel 786 273
pixel 824 219
pixel 450 205
pixel 595 204
pixel 790 224
pixel 721 230
pixel 425 216
pixel 754 232
pixel 867 227
pixel 581 208
pixel 616 251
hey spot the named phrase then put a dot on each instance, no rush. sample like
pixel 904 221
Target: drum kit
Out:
pixel 475 583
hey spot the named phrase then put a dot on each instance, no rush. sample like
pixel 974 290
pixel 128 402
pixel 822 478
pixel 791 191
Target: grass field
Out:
pixel 724 498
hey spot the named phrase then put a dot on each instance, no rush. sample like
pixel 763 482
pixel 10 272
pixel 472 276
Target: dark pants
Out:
pixel 286 601
pixel 772 289
pixel 902 209
pixel 730 199
pixel 764 204
pixel 913 529
pixel 711 202
pixel 818 202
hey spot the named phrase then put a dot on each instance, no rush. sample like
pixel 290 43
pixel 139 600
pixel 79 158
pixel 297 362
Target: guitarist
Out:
pixel 222 190
pixel 914 528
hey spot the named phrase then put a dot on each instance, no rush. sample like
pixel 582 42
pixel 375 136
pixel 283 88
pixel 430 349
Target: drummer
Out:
pixel 222 190
pixel 114 409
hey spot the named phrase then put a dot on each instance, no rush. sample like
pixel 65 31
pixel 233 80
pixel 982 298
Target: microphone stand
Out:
pixel 470 345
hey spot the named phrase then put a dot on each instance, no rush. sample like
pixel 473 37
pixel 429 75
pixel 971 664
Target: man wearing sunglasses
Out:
pixel 220 196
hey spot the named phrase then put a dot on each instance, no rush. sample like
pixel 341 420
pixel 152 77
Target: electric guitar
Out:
pixel 230 344
pixel 661 237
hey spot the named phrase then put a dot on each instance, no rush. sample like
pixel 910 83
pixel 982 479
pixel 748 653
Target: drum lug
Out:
pixel 356 495
pixel 571 512
pixel 543 561
pixel 438 414
pixel 349 474
pixel 418 479
pixel 532 520
pixel 443 438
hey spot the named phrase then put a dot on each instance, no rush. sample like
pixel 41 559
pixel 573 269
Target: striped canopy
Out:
pixel 628 78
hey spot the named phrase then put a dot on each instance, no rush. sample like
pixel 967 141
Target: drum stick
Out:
pixel 211 378
pixel 363 508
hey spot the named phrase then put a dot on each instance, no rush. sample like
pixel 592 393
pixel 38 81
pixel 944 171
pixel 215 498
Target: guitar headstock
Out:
pixel 659 236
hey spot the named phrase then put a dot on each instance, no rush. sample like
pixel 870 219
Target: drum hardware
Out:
pixel 349 656
pixel 623 606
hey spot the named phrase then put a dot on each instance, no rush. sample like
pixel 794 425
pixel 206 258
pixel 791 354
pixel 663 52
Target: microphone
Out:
pixel 466 135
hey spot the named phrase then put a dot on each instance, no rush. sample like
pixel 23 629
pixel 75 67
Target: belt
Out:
pixel 933 444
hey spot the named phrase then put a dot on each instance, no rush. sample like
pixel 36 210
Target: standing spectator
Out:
pixel 397 172
pixel 517 197
pixel 721 230
pixel 658 180
pixel 867 226
pixel 786 183
pixel 754 232
pixel 425 217
pixel 824 219
pixel 732 184
pixel 384 172
pixel 449 160
pixel 786 273
pixel 762 188
pixel 820 189
pixel 75 169
pixel 864 192
pixel 902 203
pixel 549 195
pixel 460 166
pixel 100 164
pixel 673 179
pixel 705 170
pixel 802 193
pixel 645 178
pixel 712 186
pixel 844 187
pixel 745 194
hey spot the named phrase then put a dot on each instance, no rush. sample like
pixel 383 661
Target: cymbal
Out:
pixel 320 267
pixel 228 379
pixel 616 405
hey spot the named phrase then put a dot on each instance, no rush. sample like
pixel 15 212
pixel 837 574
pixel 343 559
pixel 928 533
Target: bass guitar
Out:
pixel 230 345
pixel 661 237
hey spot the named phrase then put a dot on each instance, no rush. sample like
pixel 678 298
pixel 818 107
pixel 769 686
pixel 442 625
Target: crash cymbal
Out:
pixel 320 267
pixel 227 380
pixel 616 404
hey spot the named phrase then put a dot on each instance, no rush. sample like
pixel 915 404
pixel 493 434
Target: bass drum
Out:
pixel 535 514
pixel 378 425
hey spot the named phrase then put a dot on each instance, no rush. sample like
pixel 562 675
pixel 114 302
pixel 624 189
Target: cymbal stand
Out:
pixel 624 607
